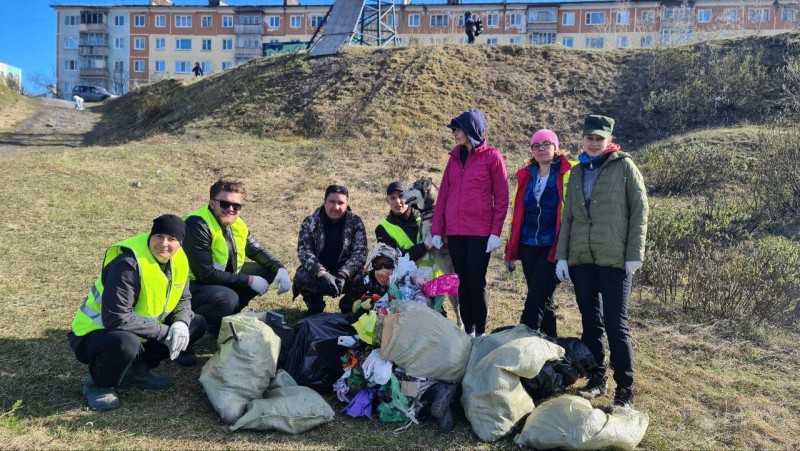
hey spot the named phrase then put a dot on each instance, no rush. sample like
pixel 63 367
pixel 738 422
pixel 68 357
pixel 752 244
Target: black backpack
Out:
pixel 478 26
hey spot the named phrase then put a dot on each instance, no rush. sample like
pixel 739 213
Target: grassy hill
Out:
pixel 714 312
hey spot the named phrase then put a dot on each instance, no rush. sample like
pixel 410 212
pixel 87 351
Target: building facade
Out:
pixel 122 46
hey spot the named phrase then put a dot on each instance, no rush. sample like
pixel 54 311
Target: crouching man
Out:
pixel 137 314
pixel 332 249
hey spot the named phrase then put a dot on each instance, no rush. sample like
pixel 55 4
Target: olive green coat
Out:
pixel 615 232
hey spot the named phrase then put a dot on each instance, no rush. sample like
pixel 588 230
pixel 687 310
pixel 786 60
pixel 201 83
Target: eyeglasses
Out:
pixel 541 145
pixel 383 265
pixel 224 204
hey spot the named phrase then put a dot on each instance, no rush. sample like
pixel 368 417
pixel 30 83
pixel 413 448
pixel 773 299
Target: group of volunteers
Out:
pixel 584 222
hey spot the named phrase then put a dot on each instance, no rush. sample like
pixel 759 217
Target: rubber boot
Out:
pixel 140 376
pixel 100 398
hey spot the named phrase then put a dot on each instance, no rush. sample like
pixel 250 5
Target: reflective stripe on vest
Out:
pixel 158 297
pixel 399 235
pixel 219 246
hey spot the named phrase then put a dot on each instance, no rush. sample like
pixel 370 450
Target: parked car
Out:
pixel 92 93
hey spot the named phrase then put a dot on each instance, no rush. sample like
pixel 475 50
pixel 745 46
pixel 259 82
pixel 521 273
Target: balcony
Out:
pixel 93 28
pixel 91 50
pixel 247 51
pixel 248 29
pixel 93 72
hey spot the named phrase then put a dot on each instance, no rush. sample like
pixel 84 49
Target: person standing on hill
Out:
pixel 600 247
pixel 535 224
pixel 469 27
pixel 197 69
pixel 137 314
pixel 217 243
pixel 470 211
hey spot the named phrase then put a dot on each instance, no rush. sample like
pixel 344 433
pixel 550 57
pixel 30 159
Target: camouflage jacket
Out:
pixel 312 240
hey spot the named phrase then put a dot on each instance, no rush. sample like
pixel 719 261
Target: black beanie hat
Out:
pixel 169 225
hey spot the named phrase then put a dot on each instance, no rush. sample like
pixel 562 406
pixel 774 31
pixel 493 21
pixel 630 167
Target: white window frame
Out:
pixel 622 42
pixel 295 21
pixel 730 15
pixel 646 41
pixel 543 16
pixel 70 65
pixel 788 15
pixel 703 16
pixel 515 20
pixel 204 19
pixel 121 65
pixel 493 20
pixel 183 21
pixel 648 17
pixel 227 21
pixel 568 19
pixel 273 22
pixel 491 41
pixel 516 40
pixel 413 23
pixel 161 43
pixel 119 43
pixel 316 19
pixel 138 44
pixel 207 67
pixel 591 16
pixel 71 42
pixel 623 17
pixel 161 21
pixel 71 20
pixel 203 45
pixel 440 20
pixel 162 64
pixel 762 14
pixel 568 42
pixel 138 66
pixel 391 20
pixel 179 41
pixel 183 67
pixel 227 44
pixel 227 65
pixel 138 20
pixel 591 40
pixel 119 20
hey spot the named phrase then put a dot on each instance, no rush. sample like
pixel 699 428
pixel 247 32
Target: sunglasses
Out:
pixel 224 204
pixel 542 145
pixel 383 265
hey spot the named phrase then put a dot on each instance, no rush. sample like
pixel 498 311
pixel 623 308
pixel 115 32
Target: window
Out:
pixel 138 66
pixel 71 20
pixel 183 21
pixel 543 38
pixel 703 16
pixel 70 65
pixel 568 19
pixel 227 21
pixel 568 42
pixel 206 44
pixel 440 20
pixel 206 22
pixel 70 43
pixel 161 43
pixel 461 20
pixel 730 15
pixel 227 44
pixel 492 20
pixel 206 65
pixel 491 41
pixel 646 41
pixel 89 17
pixel 161 66
pixel 516 20
pixel 543 16
pixel 248 43
pixel 759 15
pixel 623 17
pixel 93 62
pixel 183 44
pixel 250 20
pixel 413 20
pixel 93 39
pixel 595 18
pixel 316 20
pixel 648 17
pixel 138 43
pixel 295 21
pixel 227 65
pixel 391 20
pixel 274 21
pixel 119 21
pixel 516 40
pixel 183 67
pixel 138 20
pixel 161 21
pixel 788 14
pixel 622 42
pixel 595 43
pixel 119 66
pixel 119 43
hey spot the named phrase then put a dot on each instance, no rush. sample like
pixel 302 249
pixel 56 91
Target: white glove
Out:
pixel 562 270
pixel 436 241
pixel 494 243
pixel 428 241
pixel 282 281
pixel 259 285
pixel 632 267
pixel 510 266
pixel 177 339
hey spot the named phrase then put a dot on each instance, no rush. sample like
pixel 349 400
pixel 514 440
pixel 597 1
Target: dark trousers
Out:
pixel 540 275
pixel 470 37
pixel 217 301
pixel 603 294
pixel 109 354
pixel 470 261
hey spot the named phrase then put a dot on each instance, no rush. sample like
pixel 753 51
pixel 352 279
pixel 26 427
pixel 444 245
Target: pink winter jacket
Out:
pixel 473 199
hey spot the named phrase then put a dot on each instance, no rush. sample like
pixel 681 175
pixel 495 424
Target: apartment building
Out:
pixel 120 46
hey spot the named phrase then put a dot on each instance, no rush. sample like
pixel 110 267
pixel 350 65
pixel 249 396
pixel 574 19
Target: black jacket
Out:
pixel 410 227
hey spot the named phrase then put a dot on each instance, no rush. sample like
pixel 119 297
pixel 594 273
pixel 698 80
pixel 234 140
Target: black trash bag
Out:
pixel 314 358
pixel 546 383
pixel 577 355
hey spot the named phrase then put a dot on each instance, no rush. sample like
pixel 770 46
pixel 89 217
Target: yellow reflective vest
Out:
pixel 158 296
pixel 219 247
pixel 404 242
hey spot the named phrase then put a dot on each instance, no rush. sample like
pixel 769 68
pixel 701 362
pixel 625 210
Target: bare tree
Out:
pixel 119 81
pixel 44 82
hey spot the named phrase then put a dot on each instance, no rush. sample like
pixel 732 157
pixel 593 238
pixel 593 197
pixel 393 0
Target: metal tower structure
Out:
pixel 377 25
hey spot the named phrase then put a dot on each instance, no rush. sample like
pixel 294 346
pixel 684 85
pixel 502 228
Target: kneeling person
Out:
pixel 137 314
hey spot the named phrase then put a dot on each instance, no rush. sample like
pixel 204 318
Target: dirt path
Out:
pixel 53 126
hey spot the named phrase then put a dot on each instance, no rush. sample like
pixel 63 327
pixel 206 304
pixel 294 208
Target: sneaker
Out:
pixel 446 422
pixel 187 358
pixel 140 376
pixel 100 398
pixel 442 395
pixel 597 385
pixel 623 397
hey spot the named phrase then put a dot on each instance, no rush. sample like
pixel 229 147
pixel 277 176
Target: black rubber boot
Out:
pixel 100 398
pixel 140 376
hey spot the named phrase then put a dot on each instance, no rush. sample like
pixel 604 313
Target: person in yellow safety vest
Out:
pixel 401 228
pixel 217 243
pixel 137 313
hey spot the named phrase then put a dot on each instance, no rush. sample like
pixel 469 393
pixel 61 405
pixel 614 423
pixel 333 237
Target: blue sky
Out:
pixel 28 38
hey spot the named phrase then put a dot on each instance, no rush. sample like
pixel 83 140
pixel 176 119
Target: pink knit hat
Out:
pixel 545 135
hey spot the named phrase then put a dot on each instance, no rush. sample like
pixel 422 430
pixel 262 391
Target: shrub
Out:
pixel 776 186
pixel 153 105
pixel 687 169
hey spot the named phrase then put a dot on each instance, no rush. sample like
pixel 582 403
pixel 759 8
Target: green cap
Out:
pixel 598 125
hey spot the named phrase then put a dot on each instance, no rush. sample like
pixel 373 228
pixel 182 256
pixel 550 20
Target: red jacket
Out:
pixel 518 212
pixel 473 198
